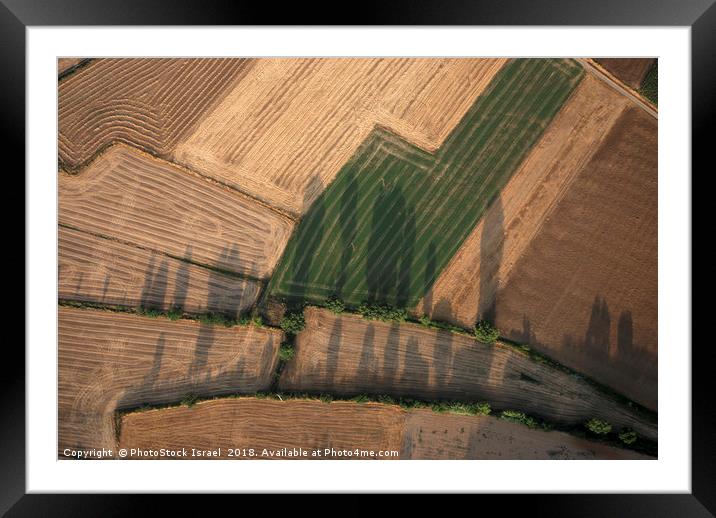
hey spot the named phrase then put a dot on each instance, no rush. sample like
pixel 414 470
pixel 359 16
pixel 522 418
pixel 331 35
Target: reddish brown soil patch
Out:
pixel 630 70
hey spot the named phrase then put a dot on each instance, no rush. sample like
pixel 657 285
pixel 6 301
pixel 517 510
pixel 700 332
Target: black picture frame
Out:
pixel 700 15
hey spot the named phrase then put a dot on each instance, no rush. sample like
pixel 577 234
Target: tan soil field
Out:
pixel 285 130
pixel 131 196
pixel 348 355
pixel 434 436
pixel 110 361
pixel 94 269
pixel 631 71
pixel 260 424
pixel 147 103
pixel 465 290
pixel 585 289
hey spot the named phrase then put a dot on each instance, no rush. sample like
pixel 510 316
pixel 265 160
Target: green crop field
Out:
pixel 395 215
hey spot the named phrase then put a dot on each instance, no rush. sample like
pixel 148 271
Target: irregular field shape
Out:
pixel 93 269
pixel 631 71
pixel 348 355
pixel 432 436
pixel 465 290
pixel 283 133
pixel 109 361
pixel 261 423
pixel 395 215
pixel 585 290
pixel 131 196
pixel 148 103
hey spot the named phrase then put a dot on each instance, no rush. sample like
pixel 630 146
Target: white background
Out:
pixel 671 472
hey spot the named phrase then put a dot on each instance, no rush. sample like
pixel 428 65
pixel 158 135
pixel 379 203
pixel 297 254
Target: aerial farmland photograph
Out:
pixel 357 258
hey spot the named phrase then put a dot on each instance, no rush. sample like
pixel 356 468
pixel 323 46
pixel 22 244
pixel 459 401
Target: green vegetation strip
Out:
pixel 395 215
pixel 650 85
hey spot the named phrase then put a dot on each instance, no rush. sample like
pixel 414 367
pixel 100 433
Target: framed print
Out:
pixel 386 258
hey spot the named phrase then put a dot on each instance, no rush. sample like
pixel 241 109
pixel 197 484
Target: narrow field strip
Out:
pixel 131 196
pixel 349 355
pixel 251 429
pixel 387 226
pixel 93 269
pixel 109 361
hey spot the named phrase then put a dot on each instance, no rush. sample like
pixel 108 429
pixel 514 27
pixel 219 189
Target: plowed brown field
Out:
pixel 349 355
pixel 258 424
pixel 93 269
pixel 287 128
pixel 247 423
pixel 115 360
pixel 64 64
pixel 131 196
pixel 629 70
pixel 465 291
pixel 148 103
pixel 585 289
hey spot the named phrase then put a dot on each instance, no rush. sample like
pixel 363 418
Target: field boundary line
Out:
pixel 74 68
pixel 616 84
pixel 228 273
pixel 79 169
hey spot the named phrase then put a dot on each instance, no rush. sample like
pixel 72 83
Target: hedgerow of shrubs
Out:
pixel 519 417
pixel 286 352
pixel 293 323
pixel 190 400
pixel 628 436
pixel 486 333
pixel 382 312
pixel 598 426
pixel 334 305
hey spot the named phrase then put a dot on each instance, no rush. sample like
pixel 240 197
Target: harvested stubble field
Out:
pixel 148 103
pixel 395 214
pixel 465 290
pixel 98 270
pixel 285 131
pixel 109 361
pixel 133 197
pixel 260 424
pixel 585 289
pixel 631 71
pixel 349 355
pixel 433 436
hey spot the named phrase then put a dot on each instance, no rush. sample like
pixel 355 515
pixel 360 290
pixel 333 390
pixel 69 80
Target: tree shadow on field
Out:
pixel 368 366
pixel 442 360
pixel 155 284
pixel 215 305
pixel 390 249
pixel 181 281
pixel 428 279
pixel 491 244
pixel 347 225
pixel 334 344
pixel 297 285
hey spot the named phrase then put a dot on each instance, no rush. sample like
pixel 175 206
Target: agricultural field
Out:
pixel 449 258
pixel 109 361
pixel 288 128
pixel 465 290
pixel 570 295
pixel 631 71
pixel 98 270
pixel 135 198
pixel 349 355
pixel 395 215
pixel 146 103
pixel 271 425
